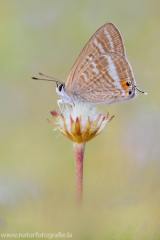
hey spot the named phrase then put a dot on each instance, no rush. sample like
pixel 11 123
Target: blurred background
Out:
pixel 37 168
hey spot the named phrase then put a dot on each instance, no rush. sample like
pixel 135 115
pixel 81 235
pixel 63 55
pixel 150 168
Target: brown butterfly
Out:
pixel 102 74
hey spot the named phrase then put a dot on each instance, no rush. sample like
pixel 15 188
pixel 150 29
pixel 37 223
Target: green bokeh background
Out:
pixel 37 168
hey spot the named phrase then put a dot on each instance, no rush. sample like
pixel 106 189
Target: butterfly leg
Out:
pixel 59 102
pixel 63 104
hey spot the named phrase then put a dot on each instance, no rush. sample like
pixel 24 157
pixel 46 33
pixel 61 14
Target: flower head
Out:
pixel 80 123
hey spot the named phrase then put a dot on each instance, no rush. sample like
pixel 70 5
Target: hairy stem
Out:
pixel 79 155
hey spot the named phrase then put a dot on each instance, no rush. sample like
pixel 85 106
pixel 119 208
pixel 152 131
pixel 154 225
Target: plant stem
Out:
pixel 79 155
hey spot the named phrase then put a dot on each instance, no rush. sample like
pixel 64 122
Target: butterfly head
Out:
pixel 60 87
pixel 65 96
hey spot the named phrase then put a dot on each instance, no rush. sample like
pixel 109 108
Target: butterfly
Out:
pixel 102 74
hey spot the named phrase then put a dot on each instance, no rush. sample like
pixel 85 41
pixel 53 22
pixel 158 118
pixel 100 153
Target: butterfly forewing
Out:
pixel 104 80
pixel 106 39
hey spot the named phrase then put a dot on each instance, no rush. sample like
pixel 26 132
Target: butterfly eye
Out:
pixel 128 84
pixel 130 92
pixel 60 87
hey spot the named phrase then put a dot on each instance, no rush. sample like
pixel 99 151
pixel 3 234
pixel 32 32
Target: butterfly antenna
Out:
pixel 53 79
pixel 141 91
pixel 49 77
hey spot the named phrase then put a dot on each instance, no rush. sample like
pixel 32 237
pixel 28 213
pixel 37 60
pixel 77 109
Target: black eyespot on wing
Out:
pixel 128 84
pixel 129 92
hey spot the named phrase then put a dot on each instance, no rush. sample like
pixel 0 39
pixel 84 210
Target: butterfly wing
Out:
pixel 106 39
pixel 107 78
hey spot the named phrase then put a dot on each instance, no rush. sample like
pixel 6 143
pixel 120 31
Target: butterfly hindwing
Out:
pixel 105 80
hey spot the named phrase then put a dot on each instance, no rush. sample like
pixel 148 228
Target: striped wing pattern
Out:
pixel 103 81
pixel 106 39
pixel 101 71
